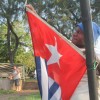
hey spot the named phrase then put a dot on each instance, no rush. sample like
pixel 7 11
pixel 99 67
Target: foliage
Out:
pixel 96 10
pixel 14 37
pixel 3 44
pixel 24 54
pixel 64 15
pixel 11 11
pixel 26 58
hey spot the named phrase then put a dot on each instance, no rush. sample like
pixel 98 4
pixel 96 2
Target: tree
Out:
pixel 96 10
pixel 3 44
pixel 25 57
pixel 9 12
pixel 63 15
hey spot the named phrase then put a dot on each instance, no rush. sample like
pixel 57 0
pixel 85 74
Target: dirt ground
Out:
pixel 27 89
pixel 21 93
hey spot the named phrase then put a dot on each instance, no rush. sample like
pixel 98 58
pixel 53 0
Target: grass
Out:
pixel 6 91
pixel 28 97
pixel 30 80
pixel 33 96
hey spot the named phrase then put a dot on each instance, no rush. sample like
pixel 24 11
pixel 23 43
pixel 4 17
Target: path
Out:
pixel 21 93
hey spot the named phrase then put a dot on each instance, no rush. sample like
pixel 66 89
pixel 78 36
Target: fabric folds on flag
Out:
pixel 60 66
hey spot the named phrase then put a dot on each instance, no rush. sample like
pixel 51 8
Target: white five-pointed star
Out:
pixel 55 55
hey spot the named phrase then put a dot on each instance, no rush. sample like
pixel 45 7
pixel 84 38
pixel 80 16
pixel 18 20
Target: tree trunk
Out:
pixel 11 53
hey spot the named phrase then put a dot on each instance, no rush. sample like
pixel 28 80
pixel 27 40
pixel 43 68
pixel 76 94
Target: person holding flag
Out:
pixel 78 40
pixel 60 65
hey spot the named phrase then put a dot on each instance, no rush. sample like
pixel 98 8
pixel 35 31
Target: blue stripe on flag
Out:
pixel 53 89
pixel 38 70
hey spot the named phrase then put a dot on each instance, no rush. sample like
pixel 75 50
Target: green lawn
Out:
pixel 29 97
pixel 12 95
pixel 30 80
pixel 7 91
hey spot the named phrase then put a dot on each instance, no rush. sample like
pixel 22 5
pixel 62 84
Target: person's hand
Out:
pixel 31 8
pixel 10 77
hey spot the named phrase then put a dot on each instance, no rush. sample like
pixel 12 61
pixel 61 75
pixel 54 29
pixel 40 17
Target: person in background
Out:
pixel 16 78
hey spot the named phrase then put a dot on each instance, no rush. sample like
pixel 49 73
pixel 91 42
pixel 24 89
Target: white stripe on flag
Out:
pixel 57 94
pixel 50 82
pixel 44 80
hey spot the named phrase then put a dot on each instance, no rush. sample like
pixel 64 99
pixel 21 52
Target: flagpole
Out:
pixel 25 3
pixel 90 59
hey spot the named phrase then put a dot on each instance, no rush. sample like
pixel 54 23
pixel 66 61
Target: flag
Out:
pixel 59 64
